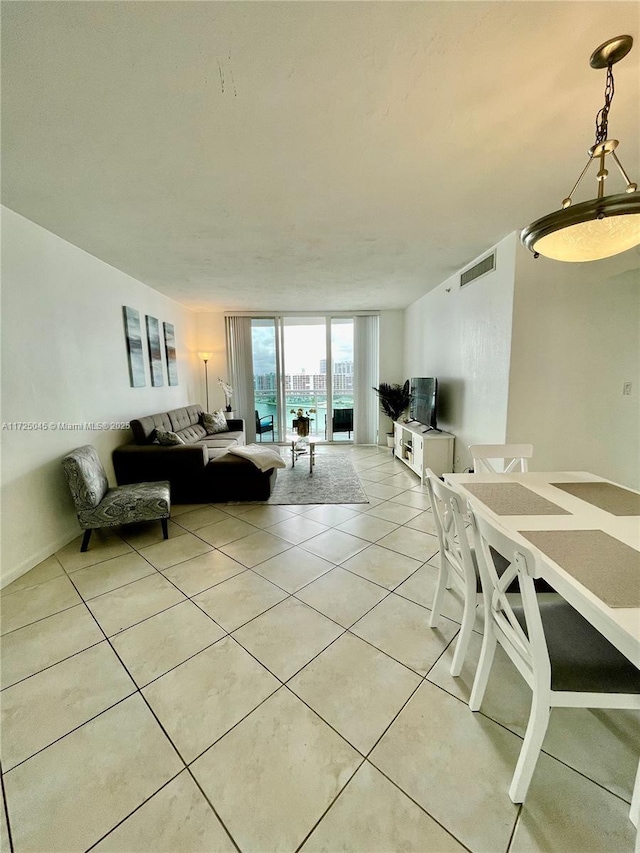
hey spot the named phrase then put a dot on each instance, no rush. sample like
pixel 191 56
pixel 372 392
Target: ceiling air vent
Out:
pixel 484 266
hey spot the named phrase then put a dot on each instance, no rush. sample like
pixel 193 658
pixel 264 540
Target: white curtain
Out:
pixel 240 361
pixel 365 378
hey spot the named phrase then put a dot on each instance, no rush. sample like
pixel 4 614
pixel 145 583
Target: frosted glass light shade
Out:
pixel 205 356
pixel 576 233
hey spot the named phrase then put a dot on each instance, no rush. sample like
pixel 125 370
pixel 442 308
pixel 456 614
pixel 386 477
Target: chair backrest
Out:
pixel 514 457
pixel 525 644
pixel 448 516
pixel 86 477
pixel 342 420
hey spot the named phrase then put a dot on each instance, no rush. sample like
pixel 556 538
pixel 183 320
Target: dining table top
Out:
pixel 548 507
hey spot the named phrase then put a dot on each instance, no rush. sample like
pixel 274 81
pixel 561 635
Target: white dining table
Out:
pixel 620 625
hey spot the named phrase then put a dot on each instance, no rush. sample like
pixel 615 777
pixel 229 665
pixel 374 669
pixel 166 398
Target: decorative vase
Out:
pixel 229 415
pixel 389 439
pixel 303 426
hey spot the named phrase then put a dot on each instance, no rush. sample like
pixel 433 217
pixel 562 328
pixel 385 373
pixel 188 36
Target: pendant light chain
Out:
pixel 602 119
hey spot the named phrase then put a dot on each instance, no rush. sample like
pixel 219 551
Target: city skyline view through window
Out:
pixel 304 381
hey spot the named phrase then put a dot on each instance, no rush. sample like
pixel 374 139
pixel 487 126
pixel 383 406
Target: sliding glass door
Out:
pixel 302 377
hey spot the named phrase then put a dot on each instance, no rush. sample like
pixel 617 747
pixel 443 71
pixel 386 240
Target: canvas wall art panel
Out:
pixel 133 338
pixel 155 353
pixel 170 351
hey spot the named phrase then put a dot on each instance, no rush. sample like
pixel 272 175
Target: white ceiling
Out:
pixel 303 155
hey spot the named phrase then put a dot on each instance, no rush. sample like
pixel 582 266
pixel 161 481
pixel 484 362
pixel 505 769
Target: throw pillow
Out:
pixel 215 422
pixel 167 439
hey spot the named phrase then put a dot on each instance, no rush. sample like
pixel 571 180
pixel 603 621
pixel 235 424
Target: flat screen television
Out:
pixel 424 397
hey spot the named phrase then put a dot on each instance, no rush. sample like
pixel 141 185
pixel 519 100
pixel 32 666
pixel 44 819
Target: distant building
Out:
pixel 306 383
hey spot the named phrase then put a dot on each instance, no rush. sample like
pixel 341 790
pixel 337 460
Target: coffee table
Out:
pixel 302 447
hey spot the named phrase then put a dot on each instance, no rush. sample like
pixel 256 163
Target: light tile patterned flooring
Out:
pixel 266 680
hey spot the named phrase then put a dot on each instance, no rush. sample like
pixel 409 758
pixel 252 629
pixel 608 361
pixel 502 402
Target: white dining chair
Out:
pixel 515 457
pixel 565 660
pixel 457 562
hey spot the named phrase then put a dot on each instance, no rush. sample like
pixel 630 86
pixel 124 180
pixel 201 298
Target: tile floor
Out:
pixel 266 680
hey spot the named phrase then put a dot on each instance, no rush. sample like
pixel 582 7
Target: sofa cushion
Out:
pixel 144 429
pixel 224 439
pixel 167 438
pixel 215 422
pixel 212 443
pixel 192 434
pixel 185 417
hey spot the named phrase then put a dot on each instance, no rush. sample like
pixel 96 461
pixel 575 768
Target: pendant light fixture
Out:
pixel 605 225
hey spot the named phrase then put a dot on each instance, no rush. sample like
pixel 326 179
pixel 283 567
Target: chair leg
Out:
pixel 466 629
pixel 85 540
pixel 443 576
pixel 536 730
pixel 484 668
pixel 165 528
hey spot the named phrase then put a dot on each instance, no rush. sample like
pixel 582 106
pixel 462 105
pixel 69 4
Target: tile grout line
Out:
pixel 347 630
pixel 521 737
pixel 51 665
pixel 137 809
pixel 367 760
pixel 71 731
pixel 162 728
pixel 330 806
pixel 5 806
pixel 515 827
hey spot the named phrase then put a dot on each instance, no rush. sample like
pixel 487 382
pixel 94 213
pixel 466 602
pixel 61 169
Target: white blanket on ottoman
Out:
pixel 263 458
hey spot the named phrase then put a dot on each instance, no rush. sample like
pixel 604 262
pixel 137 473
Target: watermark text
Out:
pixel 62 426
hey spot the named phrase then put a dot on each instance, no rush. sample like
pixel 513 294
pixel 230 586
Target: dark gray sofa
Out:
pixel 201 470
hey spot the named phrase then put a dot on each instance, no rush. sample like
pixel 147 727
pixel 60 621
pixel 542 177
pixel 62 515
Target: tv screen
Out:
pixel 424 395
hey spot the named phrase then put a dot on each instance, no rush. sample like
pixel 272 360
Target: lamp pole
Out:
pixel 205 356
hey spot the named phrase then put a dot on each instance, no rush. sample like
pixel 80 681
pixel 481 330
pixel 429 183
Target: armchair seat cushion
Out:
pixel 128 504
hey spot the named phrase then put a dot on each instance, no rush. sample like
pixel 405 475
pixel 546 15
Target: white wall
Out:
pixel 391 354
pixel 64 360
pixel 576 341
pixel 462 336
pixel 210 337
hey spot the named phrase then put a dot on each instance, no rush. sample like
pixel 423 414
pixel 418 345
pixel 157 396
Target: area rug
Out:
pixel 334 481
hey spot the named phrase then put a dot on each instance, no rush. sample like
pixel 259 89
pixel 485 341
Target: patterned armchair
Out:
pixel 99 506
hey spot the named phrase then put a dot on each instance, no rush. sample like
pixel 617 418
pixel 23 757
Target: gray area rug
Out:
pixel 334 481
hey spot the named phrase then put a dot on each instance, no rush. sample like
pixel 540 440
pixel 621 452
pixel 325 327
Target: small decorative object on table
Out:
pixel 228 393
pixel 302 420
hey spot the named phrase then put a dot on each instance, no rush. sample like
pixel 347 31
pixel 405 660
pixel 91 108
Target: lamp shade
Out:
pixel 590 231
pixel 205 356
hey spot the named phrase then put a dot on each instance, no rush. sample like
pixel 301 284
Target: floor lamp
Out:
pixel 205 356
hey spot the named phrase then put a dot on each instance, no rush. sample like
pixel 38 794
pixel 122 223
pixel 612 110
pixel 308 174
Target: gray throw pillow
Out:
pixel 167 438
pixel 215 422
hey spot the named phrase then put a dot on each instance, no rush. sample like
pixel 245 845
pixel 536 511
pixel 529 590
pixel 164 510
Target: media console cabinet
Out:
pixel 421 450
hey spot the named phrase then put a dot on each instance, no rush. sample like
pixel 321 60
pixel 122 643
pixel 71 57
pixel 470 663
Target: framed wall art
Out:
pixel 155 353
pixel 170 352
pixel 133 338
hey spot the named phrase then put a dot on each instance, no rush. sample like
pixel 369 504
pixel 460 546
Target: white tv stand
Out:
pixel 421 450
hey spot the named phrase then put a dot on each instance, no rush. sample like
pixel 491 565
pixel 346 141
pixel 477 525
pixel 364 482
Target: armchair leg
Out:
pixel 85 540
pixel 165 528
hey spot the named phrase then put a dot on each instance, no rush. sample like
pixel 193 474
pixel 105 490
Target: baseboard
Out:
pixel 34 559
